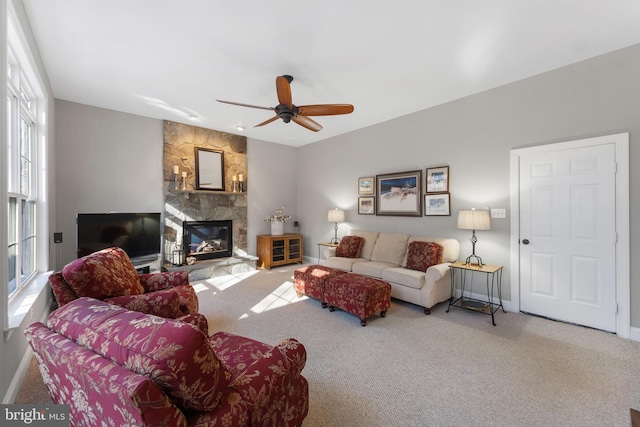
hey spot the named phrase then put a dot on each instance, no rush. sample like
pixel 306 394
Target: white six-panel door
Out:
pixel 568 235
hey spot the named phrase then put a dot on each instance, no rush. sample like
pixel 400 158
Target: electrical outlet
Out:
pixel 498 213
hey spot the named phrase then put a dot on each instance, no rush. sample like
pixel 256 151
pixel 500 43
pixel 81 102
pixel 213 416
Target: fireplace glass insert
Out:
pixel 208 239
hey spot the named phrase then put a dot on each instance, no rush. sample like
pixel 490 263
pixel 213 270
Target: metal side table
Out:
pixel 493 275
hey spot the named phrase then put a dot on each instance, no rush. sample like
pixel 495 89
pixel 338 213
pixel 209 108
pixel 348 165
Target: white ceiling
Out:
pixel 171 59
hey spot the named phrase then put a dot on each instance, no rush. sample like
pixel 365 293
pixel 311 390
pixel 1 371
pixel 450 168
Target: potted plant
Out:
pixel 277 221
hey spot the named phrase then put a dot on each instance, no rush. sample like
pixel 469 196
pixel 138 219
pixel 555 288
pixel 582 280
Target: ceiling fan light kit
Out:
pixel 288 112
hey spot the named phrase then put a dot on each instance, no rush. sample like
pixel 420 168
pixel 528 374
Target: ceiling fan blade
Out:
pixel 325 109
pixel 283 88
pixel 266 122
pixel 245 105
pixel 306 122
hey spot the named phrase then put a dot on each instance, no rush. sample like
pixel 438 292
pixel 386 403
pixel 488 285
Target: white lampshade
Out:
pixel 472 219
pixel 335 215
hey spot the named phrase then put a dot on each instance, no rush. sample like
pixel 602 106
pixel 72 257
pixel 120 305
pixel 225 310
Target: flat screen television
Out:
pixel 139 234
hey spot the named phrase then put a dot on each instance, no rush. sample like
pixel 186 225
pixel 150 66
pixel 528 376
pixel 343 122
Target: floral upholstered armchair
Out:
pixel 110 276
pixel 118 367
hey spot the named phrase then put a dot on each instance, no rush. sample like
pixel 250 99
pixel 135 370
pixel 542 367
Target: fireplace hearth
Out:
pixel 208 239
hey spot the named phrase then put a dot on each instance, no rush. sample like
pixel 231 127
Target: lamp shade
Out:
pixel 335 215
pixel 472 219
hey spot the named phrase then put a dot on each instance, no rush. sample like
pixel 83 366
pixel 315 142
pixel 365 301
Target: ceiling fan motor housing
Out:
pixel 285 113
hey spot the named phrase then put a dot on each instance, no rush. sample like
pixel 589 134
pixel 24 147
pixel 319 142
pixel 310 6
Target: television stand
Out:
pixel 144 270
pixel 146 265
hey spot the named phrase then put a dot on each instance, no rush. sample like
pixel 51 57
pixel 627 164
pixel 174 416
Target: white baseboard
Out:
pixel 634 334
pixel 18 378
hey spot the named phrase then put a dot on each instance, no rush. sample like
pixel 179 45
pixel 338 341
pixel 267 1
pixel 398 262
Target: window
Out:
pixel 22 189
pixel 24 173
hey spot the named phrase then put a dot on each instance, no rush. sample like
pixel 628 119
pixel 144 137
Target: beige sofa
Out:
pixel 383 256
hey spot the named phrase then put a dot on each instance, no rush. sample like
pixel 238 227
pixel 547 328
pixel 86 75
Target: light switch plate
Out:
pixel 498 213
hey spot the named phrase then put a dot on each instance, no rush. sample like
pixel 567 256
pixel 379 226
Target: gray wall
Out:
pixel 105 161
pixel 474 136
pixel 272 182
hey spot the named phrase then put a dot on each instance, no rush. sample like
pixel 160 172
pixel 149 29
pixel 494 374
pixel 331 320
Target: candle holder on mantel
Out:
pixel 241 183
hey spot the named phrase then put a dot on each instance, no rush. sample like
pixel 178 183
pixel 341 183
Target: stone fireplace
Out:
pixel 184 204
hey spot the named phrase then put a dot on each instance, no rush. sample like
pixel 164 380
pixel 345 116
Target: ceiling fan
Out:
pixel 286 111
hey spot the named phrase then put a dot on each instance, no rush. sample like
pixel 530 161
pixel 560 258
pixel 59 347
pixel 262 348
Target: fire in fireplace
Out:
pixel 208 239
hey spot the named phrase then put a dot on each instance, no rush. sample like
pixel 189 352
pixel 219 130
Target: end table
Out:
pixel 494 279
pixel 326 245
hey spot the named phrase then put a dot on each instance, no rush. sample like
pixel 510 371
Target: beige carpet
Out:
pixel 446 369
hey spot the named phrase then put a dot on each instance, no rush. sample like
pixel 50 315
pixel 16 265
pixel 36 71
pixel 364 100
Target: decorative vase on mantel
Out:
pixel 277 228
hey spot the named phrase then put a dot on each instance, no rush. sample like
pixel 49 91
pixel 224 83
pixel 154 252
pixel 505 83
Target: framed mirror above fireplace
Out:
pixel 209 169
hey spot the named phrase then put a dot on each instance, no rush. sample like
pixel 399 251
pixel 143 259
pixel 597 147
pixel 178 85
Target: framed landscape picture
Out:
pixel 437 204
pixel 366 205
pixel 367 185
pixel 438 180
pixel 399 194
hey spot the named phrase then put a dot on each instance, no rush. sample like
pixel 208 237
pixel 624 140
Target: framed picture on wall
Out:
pixel 367 185
pixel 209 169
pixel 399 194
pixel 437 204
pixel 438 180
pixel 367 205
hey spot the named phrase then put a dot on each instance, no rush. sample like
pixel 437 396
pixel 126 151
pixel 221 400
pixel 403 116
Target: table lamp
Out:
pixel 472 219
pixel 335 216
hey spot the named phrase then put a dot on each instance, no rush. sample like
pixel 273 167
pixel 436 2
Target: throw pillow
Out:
pixel 350 247
pixel 103 274
pixel 422 255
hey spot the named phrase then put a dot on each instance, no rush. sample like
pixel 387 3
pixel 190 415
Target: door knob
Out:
pixel 525 241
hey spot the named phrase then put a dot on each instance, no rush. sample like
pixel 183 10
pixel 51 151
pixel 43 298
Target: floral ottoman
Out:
pixel 361 296
pixel 311 281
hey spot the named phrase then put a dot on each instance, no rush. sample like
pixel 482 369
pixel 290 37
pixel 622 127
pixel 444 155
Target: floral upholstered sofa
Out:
pixel 109 275
pixel 417 267
pixel 116 367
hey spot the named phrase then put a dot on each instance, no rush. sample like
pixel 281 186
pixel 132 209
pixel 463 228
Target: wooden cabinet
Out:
pixel 279 250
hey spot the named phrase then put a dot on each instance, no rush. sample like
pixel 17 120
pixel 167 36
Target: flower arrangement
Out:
pixel 279 216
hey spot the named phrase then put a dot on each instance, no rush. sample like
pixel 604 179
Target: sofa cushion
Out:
pixel 390 247
pixel 103 274
pixel 371 268
pixel 342 263
pixel 350 247
pixel 422 255
pixel 175 355
pixel 404 276
pixel 163 303
pixel 370 238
